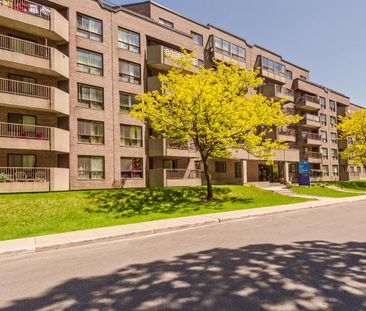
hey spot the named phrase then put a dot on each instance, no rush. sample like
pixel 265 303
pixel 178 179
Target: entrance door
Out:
pixel 271 173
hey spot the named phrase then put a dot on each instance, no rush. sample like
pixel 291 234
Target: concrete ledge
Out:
pixel 69 239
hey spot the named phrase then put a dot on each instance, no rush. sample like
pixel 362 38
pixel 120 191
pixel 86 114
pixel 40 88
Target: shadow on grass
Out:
pixel 308 275
pixel 128 203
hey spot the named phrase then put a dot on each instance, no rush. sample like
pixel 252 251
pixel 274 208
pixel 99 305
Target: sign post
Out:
pixel 304 173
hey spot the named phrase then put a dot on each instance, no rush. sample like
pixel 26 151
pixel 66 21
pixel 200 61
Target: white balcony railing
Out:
pixel 24 174
pixel 24 88
pixel 176 55
pixel 182 174
pixel 24 47
pixel 188 146
pixel 24 131
pixel 28 7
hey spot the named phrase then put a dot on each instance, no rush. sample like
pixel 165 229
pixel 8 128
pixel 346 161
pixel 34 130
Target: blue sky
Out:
pixel 325 36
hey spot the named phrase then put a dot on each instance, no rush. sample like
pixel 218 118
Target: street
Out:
pixel 305 260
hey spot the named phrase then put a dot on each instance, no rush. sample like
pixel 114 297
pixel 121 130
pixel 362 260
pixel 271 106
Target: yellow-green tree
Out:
pixel 214 110
pixel 353 128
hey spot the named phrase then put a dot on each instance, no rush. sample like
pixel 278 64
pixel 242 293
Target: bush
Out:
pixel 356 184
pixel 3 177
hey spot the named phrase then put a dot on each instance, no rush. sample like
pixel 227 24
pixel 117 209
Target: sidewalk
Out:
pixel 69 239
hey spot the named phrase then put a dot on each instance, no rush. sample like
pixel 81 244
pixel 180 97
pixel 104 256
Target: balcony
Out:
pixel 310 121
pixel 29 17
pixel 311 139
pixel 161 147
pixel 25 55
pixel 312 157
pixel 277 91
pixel 153 83
pixel 307 102
pixel 33 137
pixel 286 134
pixel 33 96
pixel 24 179
pixel 160 57
pixel 174 178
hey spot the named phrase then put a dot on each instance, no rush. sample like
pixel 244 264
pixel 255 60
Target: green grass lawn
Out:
pixel 25 215
pixel 323 192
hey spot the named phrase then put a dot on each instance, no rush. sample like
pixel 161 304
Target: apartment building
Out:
pixel 69 71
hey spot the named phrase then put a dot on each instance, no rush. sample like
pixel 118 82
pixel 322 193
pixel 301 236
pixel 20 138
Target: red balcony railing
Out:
pixel 28 7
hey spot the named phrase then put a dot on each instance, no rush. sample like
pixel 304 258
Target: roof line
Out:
pixel 324 88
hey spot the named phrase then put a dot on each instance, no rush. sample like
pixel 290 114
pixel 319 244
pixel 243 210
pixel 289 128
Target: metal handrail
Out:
pixel 24 174
pixel 24 88
pixel 304 98
pixel 287 132
pixel 26 131
pixel 312 154
pixel 24 47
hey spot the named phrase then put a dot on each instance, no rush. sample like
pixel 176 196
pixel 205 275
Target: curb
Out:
pixel 144 229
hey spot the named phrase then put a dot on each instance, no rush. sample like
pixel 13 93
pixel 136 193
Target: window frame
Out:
pixel 89 67
pixel 197 35
pixel 289 74
pixel 166 23
pixel 132 174
pixel 129 45
pixel 323 106
pixel 89 102
pixel 229 51
pixel 89 32
pixel 21 155
pixel 220 167
pixel 131 98
pixel 139 142
pixel 90 172
pixel 129 76
pixel 333 109
pixel 93 139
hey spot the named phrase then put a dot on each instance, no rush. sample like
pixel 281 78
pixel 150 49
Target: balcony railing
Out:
pixel 28 7
pixel 311 117
pixel 176 55
pixel 284 90
pixel 24 174
pixel 286 132
pixel 312 154
pixel 182 174
pixel 187 146
pixel 313 136
pixel 24 88
pixel 307 98
pixel 289 111
pixel 24 47
pixel 25 131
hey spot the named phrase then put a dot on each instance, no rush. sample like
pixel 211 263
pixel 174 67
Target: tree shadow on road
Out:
pixel 129 203
pixel 314 275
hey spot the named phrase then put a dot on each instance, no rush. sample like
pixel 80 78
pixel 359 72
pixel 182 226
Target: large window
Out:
pixel 288 74
pixel 90 132
pixel 91 97
pixel 228 48
pixel 323 119
pixel 21 160
pixel 89 28
pixel 129 72
pixel 272 66
pixel 333 138
pixel 332 105
pixel 333 121
pixel 128 40
pixel 90 167
pixel 324 136
pixel 324 152
pixel 166 23
pixel 197 38
pixel 220 166
pixel 335 170
pixel 325 170
pixel 126 101
pixel 323 103
pixel 131 135
pixel 89 62
pixel 131 168
pixel 334 154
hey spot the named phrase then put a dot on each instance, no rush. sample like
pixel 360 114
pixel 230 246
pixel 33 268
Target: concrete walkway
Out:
pixel 62 240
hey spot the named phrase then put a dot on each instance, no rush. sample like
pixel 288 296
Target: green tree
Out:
pixel 215 109
pixel 354 127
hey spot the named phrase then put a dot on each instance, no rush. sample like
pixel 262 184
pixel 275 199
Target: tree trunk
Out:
pixel 208 181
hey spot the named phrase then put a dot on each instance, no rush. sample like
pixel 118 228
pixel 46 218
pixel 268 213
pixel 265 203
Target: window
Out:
pixel 332 105
pixel 28 129
pixel 324 152
pixel 131 168
pixel 22 78
pixel 323 119
pixel 89 28
pixel 128 40
pixel 324 136
pixel 302 78
pixel 197 38
pixel 131 135
pixel 273 66
pixel 220 166
pixel 333 121
pixel 228 48
pixel 335 171
pixel 289 74
pixel 90 132
pixel 91 97
pixel 129 72
pixel 166 23
pixel 170 164
pixel 90 167
pixel 334 154
pixel 333 138
pixel 238 170
pixel 325 170
pixel 126 101
pixel 89 62
pixel 21 119
pixel 323 103
pixel 21 160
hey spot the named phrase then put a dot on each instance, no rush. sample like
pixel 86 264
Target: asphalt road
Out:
pixel 305 260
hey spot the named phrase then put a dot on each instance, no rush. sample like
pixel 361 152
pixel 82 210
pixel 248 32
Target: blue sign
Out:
pixel 304 179
pixel 304 167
